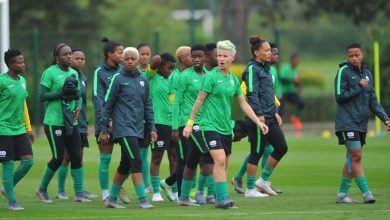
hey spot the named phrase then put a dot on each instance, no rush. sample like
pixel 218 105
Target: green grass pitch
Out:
pixel 309 176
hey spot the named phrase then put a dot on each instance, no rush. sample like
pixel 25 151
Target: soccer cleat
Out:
pixel 81 198
pixel 210 199
pixel 14 206
pixel 43 196
pixel 167 190
pixel 265 187
pixel 186 202
pixel 123 196
pixel 199 198
pixel 89 195
pixel 110 203
pixel 227 203
pixel 2 191
pixel 344 198
pixel 277 190
pixel 62 196
pixel 157 197
pixel 238 185
pixel 143 204
pixel 254 193
pixel 175 196
pixel 368 198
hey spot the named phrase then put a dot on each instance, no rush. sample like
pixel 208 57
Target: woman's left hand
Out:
pixel 153 136
pixel 76 114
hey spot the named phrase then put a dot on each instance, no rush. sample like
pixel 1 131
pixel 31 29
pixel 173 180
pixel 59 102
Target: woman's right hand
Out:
pixel 187 131
pixel 263 127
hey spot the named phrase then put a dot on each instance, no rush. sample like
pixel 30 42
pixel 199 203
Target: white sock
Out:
pixel 105 193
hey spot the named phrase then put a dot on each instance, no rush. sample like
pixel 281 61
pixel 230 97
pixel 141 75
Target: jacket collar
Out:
pixel 126 72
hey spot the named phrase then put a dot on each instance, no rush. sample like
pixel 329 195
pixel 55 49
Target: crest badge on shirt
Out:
pixel 142 83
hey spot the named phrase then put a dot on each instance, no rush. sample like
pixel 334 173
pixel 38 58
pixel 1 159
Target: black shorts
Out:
pixel 344 136
pixel 84 139
pixel 164 138
pixel 216 141
pixel 198 139
pixel 14 147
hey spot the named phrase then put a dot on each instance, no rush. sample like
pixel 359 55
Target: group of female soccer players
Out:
pixel 143 101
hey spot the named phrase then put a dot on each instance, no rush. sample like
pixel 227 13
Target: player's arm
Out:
pixel 109 101
pixel 252 82
pixel 27 124
pixel 195 109
pixel 246 108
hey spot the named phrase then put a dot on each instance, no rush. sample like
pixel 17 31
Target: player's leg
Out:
pixel 355 142
pixel 24 153
pixel 56 138
pixel 105 151
pixel 73 145
pixel 257 143
pixel 276 138
pixel 133 153
pixel 119 177
pixel 62 174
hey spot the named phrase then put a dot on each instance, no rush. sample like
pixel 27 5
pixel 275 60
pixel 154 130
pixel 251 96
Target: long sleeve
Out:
pixel 148 110
pixel 109 102
pixel 253 85
pixel 45 95
pixel 377 108
pixel 98 95
pixel 176 109
pixel 26 118
pixel 343 92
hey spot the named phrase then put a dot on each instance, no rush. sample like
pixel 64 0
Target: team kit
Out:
pixel 180 104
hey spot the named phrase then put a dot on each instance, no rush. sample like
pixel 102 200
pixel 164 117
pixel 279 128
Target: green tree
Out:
pixel 361 11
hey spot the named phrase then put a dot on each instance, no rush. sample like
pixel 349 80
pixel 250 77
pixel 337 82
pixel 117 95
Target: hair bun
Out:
pixel 105 40
pixel 254 40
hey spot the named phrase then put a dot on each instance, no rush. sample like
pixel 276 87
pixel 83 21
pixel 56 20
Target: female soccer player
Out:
pixel 261 97
pixel 145 54
pixel 103 74
pixel 60 90
pixel 15 143
pixel 159 89
pixel 170 185
pixel 129 104
pixel 268 149
pixel 78 63
pixel 355 97
pixel 218 88
pixel 187 89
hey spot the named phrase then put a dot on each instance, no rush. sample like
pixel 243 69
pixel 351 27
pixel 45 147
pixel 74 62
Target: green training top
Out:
pixel 12 96
pixel 217 107
pixel 162 108
pixel 174 79
pixel 54 78
pixel 145 73
pixel 287 75
pixel 187 89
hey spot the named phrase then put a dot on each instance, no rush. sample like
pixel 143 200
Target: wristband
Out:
pixel 190 122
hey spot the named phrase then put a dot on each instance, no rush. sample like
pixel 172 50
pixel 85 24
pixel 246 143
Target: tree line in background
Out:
pixel 313 27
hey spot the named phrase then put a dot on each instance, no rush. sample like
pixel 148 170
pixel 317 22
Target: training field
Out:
pixel 309 176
